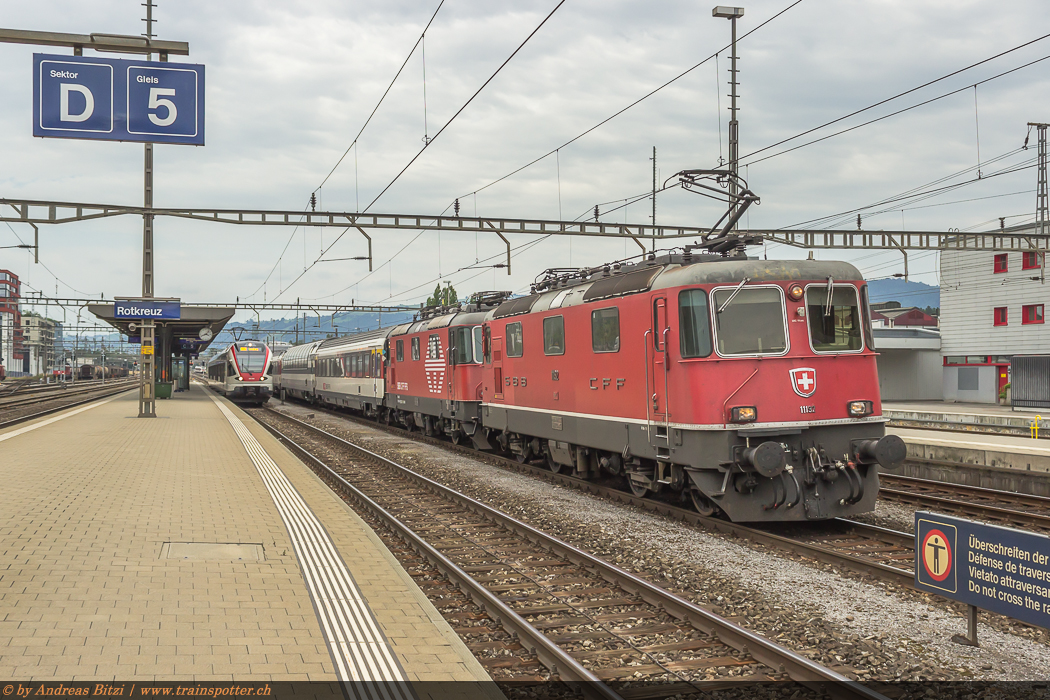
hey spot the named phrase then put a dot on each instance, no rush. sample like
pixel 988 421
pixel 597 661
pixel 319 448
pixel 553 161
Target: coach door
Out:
pixel 659 357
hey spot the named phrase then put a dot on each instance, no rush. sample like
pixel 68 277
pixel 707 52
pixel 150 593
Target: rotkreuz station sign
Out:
pixel 990 567
pixel 148 309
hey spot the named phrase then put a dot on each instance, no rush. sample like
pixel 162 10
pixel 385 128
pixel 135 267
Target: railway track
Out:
pixel 586 619
pixel 991 505
pixel 880 552
pixel 32 395
pixel 26 411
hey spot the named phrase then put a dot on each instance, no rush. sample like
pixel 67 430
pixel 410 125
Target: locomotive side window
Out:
pixel 750 321
pixel 415 348
pixel 463 342
pixel 605 330
pixel 515 346
pixel 694 339
pixel 479 344
pixel 554 335
pixel 486 335
pixel 400 351
pixel 433 347
pixel 865 317
pixel 834 319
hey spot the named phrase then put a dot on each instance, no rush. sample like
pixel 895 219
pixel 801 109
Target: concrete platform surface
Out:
pixel 1002 451
pixel 179 548
pixel 956 407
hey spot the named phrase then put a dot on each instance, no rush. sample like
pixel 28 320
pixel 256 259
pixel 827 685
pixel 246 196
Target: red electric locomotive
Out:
pixel 747 386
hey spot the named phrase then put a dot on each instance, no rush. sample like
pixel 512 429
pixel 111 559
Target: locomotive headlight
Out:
pixel 743 414
pixel 861 408
pixel 795 292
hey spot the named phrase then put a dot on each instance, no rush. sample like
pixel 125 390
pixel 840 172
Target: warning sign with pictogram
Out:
pixel 936 555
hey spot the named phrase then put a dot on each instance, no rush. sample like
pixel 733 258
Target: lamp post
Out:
pixel 732 13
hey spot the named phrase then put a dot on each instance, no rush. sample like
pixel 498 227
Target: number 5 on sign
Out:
pixel 156 101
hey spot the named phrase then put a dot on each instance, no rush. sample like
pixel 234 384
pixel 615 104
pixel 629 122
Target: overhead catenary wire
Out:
pixel 891 114
pixel 894 97
pixel 353 144
pixel 440 131
pixel 633 104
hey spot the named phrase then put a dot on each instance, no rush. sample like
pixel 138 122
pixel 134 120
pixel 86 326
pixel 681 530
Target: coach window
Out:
pixel 749 320
pixel 515 346
pixel 605 330
pixel 834 320
pixel 554 335
pixel 415 348
pixel 694 338
pixel 400 351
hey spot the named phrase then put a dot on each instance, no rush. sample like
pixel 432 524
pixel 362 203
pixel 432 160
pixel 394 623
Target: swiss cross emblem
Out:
pixel 804 381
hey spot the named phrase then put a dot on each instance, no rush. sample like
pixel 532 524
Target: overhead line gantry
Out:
pixel 38 212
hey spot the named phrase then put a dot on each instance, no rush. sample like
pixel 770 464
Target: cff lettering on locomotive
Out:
pixel 748 387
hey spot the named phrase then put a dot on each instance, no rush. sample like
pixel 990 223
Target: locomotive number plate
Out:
pixel 807 409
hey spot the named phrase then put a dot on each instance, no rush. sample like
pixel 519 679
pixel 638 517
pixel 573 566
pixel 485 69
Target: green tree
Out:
pixel 443 297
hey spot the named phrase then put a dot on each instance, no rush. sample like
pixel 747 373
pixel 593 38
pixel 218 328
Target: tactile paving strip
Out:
pixel 358 646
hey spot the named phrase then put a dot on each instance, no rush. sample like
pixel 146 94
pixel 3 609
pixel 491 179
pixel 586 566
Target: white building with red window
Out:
pixel 992 308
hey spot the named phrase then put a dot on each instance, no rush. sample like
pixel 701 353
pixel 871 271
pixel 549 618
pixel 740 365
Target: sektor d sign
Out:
pixel 118 99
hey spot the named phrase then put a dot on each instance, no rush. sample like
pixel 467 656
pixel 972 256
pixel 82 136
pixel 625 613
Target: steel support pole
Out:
pixel 734 128
pixel 148 357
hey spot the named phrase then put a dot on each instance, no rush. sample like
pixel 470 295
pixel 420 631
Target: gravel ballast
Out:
pixel 862 627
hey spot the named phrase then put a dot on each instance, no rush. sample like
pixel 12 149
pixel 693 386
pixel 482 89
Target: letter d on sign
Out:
pixel 89 103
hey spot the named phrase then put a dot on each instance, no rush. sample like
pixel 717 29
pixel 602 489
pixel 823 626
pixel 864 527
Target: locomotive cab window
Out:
pixel 554 335
pixel 479 344
pixel 749 321
pixel 695 321
pixel 515 346
pixel 400 350
pixel 434 347
pixel 463 341
pixel 415 348
pixel 605 330
pixel 835 323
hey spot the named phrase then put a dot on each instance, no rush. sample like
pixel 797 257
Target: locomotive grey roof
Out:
pixel 620 285
pixel 734 272
pixel 513 307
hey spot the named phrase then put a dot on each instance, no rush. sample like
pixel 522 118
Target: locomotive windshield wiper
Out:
pixel 831 288
pixel 733 295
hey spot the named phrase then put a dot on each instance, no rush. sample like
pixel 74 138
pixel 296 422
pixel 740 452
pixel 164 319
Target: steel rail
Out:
pixel 1025 498
pixel 827 555
pixel 39 396
pixel 761 649
pixel 56 409
pixel 550 655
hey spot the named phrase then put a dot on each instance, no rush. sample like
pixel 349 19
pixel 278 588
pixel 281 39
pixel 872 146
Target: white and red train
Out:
pixel 243 372
pixel 747 386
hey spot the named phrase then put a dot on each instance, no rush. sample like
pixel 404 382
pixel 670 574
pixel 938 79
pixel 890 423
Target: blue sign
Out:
pixel 991 567
pixel 147 309
pixel 118 99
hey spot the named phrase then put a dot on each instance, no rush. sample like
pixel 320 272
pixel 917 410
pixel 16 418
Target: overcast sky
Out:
pixel 290 83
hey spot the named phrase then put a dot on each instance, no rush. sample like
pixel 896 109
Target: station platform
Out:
pixel 982 434
pixel 194 546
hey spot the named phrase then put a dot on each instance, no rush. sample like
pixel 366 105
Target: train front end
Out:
pixel 250 381
pixel 787 386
